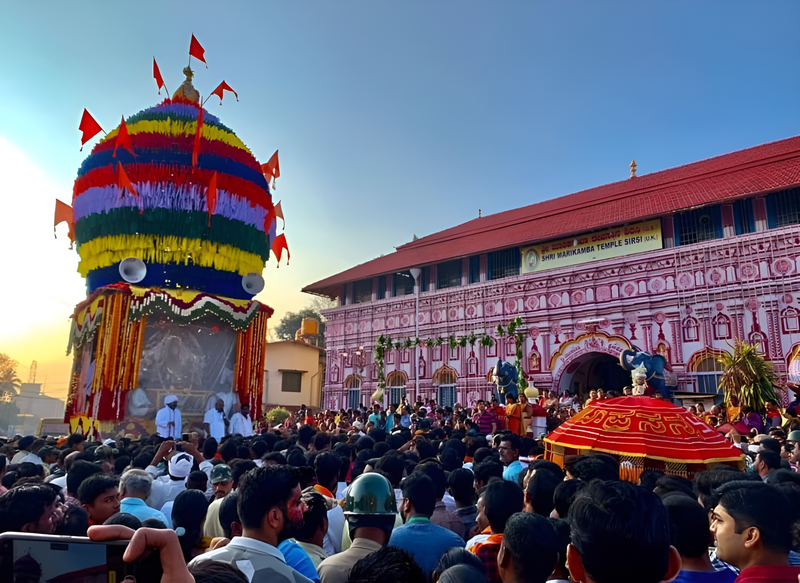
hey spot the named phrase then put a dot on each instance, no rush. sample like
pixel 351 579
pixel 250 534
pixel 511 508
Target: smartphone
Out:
pixel 46 557
pixel 185 437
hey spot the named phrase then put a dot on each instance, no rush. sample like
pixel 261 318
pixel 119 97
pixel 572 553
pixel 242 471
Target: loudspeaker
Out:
pixel 132 269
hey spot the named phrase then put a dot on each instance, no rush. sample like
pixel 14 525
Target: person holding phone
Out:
pixel 168 419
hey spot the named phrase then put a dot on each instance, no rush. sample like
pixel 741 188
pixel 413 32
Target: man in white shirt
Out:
pixel 241 422
pixel 215 423
pixel 168 419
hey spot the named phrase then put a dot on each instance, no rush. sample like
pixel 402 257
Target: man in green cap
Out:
pixel 221 485
pixel 370 509
pixel 794 458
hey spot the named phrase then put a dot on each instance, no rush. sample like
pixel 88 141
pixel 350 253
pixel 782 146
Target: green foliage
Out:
pixel 8 373
pixel 276 416
pixel 291 321
pixel 747 376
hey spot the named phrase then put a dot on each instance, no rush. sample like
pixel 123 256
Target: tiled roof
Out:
pixel 761 169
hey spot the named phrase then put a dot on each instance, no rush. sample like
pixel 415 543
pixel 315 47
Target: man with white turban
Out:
pixel 168 419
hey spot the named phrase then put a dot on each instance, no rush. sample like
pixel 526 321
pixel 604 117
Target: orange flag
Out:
pixel 196 148
pixel 64 214
pixel 221 89
pixel 89 127
pixel 278 245
pixel 123 139
pixel 197 51
pixel 211 197
pixel 157 76
pixel 268 218
pixel 272 169
pixel 279 213
pixel 124 182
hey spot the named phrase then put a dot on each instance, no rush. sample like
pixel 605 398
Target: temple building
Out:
pixel 679 262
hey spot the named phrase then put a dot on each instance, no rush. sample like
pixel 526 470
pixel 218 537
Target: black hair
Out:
pixel 321 441
pixel 755 504
pixel 95 486
pixel 75 523
pixel 770 444
pixel 30 470
pixel 501 499
pixel 316 513
pixel 688 526
pixel 783 476
pixel 596 467
pixel 771 459
pixel 671 484
pixel 621 532
pixel 75 439
pixel 210 446
pixel 541 488
pixel 189 512
pixel 393 464
pixel 263 489
pixel 365 455
pixel 295 456
pixel 487 470
pixel 649 478
pixel 381 448
pixel 228 512
pixel 121 463
pixel 457 447
pixel 484 453
pixel 420 490
pixel 425 449
pixel 377 434
pixel 513 439
pixel 243 452
pixel 79 472
pixel 462 574
pixel 387 565
pixel 547 465
pixel 461 483
pixel 326 466
pixel 532 542
pixel 153 522
pixel 458 556
pixel 435 473
pixel 260 447
pixel 216 572
pixel 449 460
pixel 22 505
pixel 706 482
pixel 228 450
pixel 197 480
pixel 357 470
pixel 142 460
pixel 305 434
pixel 125 519
pixel 274 456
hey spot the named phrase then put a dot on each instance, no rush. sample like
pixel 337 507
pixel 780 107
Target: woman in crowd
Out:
pixel 188 519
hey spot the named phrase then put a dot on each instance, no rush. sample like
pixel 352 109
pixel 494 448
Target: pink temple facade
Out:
pixel 686 300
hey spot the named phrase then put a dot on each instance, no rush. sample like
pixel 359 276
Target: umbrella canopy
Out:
pixel 643 433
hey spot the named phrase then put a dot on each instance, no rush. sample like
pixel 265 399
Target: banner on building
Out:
pixel 606 244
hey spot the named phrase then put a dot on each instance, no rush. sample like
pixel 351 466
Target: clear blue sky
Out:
pixel 402 118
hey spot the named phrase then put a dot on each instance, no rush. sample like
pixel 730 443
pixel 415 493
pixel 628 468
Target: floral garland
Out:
pixel 514 329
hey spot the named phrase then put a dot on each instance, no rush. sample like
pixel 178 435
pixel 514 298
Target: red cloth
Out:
pixel 272 169
pixel 123 139
pixel 89 127
pixel 157 76
pixel 197 51
pixel 769 573
pixel 487 552
pixel 64 214
pixel 277 248
pixel 221 89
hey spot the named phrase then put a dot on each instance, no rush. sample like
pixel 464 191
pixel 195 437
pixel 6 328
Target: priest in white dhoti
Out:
pixel 168 419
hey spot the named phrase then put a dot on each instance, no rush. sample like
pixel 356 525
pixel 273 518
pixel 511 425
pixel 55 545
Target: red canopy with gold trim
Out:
pixel 643 433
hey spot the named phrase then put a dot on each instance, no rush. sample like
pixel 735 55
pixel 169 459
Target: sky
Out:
pixel 393 119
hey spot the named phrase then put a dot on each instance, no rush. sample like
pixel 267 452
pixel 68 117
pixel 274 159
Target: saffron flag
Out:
pixel 196 148
pixel 278 245
pixel 221 89
pixel 197 51
pixel 279 213
pixel 64 214
pixel 211 197
pixel 272 169
pixel 124 182
pixel 268 218
pixel 157 76
pixel 123 139
pixel 89 127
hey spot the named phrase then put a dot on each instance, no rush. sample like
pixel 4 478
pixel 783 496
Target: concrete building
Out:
pixel 294 374
pixel 679 262
pixel 33 406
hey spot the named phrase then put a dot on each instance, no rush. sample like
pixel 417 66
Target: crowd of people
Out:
pixel 436 495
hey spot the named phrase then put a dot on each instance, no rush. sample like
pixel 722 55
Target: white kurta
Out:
pixel 216 424
pixel 163 417
pixel 241 425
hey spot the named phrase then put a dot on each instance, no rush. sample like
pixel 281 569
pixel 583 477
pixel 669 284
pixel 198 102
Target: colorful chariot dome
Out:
pixel 165 223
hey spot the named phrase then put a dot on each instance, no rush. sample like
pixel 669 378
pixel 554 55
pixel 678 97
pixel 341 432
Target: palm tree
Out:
pixel 747 376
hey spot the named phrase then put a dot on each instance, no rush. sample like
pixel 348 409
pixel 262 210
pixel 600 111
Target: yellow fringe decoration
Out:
pixel 172 127
pixel 105 251
pixel 248 371
pixel 118 347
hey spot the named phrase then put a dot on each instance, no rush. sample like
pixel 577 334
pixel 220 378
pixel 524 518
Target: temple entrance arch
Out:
pixel 590 361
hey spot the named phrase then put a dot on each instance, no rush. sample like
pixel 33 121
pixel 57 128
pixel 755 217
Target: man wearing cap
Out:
pixel 221 485
pixel 168 419
pixel 794 458
pixel 24 446
pixel 241 422
pixel 166 488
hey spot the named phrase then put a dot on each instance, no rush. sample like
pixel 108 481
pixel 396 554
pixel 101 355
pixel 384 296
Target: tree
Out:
pixel 8 374
pixel 747 376
pixel 291 321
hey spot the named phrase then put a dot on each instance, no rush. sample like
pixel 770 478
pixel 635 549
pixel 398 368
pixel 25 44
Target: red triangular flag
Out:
pixel 211 197
pixel 272 169
pixel 123 181
pixel 279 213
pixel 197 51
pixel 157 76
pixel 222 88
pixel 196 148
pixel 268 218
pixel 277 248
pixel 123 139
pixel 89 127
pixel 64 214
